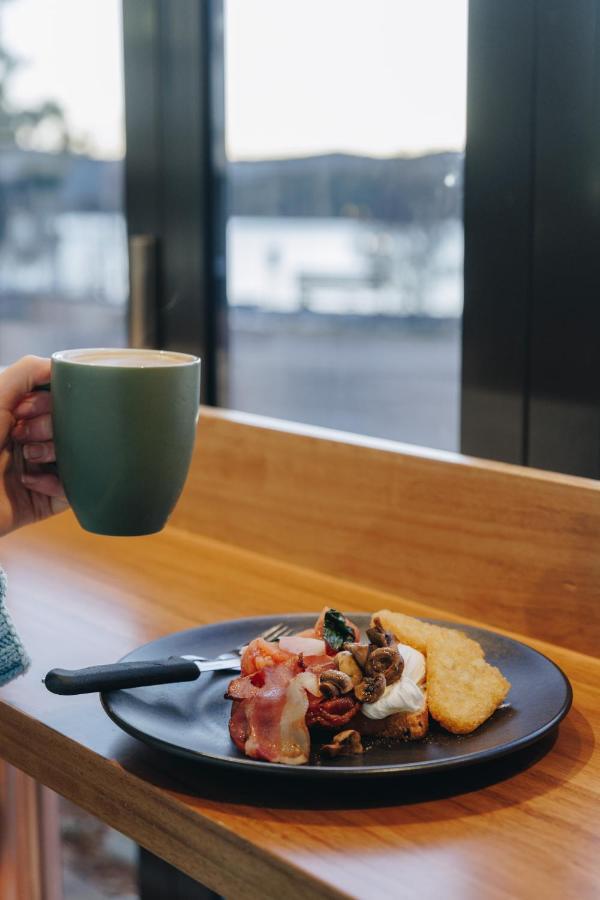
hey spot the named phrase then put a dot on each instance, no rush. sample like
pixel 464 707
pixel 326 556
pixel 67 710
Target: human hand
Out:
pixel 27 493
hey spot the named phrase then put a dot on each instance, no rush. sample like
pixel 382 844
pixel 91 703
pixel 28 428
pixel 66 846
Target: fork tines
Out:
pixel 276 632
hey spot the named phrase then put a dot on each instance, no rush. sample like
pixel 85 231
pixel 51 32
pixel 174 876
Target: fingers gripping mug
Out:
pixel 124 425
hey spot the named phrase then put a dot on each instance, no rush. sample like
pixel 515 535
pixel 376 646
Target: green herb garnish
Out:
pixel 336 630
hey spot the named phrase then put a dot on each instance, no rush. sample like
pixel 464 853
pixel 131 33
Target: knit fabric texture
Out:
pixel 13 657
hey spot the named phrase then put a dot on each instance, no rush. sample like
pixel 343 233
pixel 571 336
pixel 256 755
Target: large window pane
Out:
pixel 345 128
pixel 63 247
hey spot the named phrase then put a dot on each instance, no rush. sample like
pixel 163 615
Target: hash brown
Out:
pixel 463 690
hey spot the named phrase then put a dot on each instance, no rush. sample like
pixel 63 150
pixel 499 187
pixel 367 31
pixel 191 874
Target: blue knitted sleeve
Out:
pixel 13 657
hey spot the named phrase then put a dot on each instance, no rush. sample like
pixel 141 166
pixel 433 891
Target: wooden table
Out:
pixel 287 519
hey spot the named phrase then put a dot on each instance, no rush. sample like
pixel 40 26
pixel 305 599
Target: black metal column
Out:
pixel 531 366
pixel 498 228
pixel 564 402
pixel 175 167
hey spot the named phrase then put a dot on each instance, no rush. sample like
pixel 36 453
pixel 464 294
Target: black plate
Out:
pixel 191 719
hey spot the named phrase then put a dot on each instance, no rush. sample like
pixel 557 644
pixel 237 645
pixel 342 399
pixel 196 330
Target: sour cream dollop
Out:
pixel 404 695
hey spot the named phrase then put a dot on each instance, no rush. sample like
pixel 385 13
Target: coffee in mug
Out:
pixel 124 425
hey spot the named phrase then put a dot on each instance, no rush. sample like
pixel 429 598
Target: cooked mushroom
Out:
pixel 328 690
pixel 386 661
pixel 371 689
pixel 376 637
pixel 333 683
pixel 381 659
pixel 347 664
pixel 359 652
pixel 346 743
pixel 377 624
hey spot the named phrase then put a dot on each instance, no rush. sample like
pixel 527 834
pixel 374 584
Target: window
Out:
pixel 345 141
pixel 310 335
pixel 63 248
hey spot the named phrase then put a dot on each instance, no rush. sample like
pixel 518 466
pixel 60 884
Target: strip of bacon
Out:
pixel 295 737
pixel 276 716
pixel 264 712
pixel 317 664
pixel 244 687
pixel 238 724
pixel 276 700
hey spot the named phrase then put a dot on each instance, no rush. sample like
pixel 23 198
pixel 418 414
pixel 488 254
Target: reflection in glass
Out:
pixel 345 130
pixel 63 246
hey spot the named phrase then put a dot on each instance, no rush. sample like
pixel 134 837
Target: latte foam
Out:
pixel 125 358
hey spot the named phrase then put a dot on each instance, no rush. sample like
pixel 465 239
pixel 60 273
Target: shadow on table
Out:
pixel 283 791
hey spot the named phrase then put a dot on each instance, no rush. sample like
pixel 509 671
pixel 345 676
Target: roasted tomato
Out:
pixel 260 653
pixel 331 713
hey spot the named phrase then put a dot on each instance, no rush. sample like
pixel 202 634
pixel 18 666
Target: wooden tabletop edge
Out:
pixel 206 840
pixel 321 433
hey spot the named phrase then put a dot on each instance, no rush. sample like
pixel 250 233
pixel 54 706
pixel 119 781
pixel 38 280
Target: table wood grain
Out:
pixel 514 547
pixel 524 826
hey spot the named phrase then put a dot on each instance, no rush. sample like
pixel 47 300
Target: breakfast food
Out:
pixel 463 690
pixel 323 685
pixel 324 688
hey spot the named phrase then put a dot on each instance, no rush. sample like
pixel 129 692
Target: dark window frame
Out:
pixel 530 379
pixel 175 169
pixel 531 368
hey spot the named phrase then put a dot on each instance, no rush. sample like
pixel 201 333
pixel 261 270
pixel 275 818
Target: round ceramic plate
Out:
pixel 191 719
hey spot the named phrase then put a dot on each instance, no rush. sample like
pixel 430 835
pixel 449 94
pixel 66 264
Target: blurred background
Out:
pixel 380 216
pixel 344 132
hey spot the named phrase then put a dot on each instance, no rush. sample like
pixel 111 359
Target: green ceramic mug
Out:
pixel 124 426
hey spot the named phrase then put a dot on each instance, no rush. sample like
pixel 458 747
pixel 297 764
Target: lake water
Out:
pixel 306 338
pixel 345 266
pixel 286 265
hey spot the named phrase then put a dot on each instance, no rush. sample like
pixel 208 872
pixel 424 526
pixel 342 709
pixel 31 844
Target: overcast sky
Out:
pixel 379 77
pixel 366 76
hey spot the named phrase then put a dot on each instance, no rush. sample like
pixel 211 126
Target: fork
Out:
pixel 148 672
pixel 269 634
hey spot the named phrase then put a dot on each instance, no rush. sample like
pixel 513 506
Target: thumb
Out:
pixel 16 381
pixel 22 377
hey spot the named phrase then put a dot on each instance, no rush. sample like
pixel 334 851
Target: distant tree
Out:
pixel 397 190
pixel 19 126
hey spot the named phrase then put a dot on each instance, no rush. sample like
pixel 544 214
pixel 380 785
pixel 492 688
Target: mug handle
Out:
pixel 50 467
